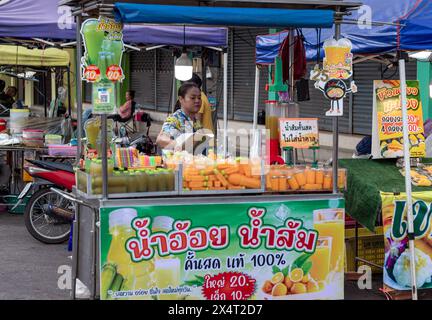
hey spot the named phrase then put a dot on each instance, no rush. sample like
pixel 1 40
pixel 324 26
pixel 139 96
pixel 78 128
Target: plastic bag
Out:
pixel 66 129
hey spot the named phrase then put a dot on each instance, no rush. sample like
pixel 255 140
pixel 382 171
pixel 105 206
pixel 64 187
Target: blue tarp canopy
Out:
pixel 414 33
pixel 221 16
pixel 26 19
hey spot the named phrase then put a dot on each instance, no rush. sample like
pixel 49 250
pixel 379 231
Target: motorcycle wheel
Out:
pixel 43 226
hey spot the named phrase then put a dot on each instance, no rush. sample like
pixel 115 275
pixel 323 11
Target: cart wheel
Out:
pixel 43 225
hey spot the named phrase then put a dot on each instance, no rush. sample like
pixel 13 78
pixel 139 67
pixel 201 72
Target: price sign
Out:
pixel 114 73
pixel 92 73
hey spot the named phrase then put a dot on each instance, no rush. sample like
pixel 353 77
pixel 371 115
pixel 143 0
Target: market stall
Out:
pixel 159 217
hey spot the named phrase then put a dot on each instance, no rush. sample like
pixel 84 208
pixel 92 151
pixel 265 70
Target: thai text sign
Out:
pixel 300 133
pixel 235 251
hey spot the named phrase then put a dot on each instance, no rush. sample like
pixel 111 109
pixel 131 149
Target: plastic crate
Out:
pixel 370 248
pixel 11 200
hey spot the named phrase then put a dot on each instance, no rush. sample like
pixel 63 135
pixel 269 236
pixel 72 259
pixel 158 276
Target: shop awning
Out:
pixel 21 56
pixel 26 19
pixel 221 16
pixel 414 32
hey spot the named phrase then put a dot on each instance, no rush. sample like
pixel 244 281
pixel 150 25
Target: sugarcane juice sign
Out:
pixel 101 63
pixel 231 251
pixel 388 136
pixel 300 133
pixel 397 254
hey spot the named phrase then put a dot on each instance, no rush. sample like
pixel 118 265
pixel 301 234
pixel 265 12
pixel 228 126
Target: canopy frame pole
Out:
pixel 336 132
pixel 78 85
pixel 174 89
pixel 225 104
pixel 256 98
pixel 69 92
pixel 407 160
pixel 291 81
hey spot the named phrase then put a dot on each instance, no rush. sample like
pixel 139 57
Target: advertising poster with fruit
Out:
pixel 397 254
pixel 231 251
pixel 300 133
pixel 388 129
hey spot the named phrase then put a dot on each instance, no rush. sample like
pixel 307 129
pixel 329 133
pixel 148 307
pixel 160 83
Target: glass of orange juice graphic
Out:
pixel 331 223
pixel 321 259
pixel 336 52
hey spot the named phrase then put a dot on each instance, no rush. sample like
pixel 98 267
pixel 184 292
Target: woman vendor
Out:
pixel 184 120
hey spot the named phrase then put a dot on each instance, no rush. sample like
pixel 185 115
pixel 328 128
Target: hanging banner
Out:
pixel 235 251
pixel 330 80
pixel 104 47
pixel 397 254
pixel 387 130
pixel 338 60
pixel 299 133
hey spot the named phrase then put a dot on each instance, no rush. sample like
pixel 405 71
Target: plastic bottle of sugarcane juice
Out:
pixel 167 269
pixel 136 274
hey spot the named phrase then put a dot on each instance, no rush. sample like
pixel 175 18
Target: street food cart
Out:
pixel 224 228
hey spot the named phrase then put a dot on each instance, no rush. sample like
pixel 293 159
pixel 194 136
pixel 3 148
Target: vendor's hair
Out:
pixel 183 90
pixel 131 93
pixel 2 85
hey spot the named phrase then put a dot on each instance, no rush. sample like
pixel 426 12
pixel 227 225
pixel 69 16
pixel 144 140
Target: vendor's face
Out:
pixel 192 101
pixel 11 92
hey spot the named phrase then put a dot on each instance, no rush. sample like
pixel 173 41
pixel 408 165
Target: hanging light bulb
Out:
pixel 183 67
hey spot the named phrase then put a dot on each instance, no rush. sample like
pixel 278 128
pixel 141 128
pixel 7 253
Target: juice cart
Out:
pixel 224 228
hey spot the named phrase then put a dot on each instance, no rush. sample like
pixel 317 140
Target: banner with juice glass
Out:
pixel 230 251
pixel 387 128
pixel 397 254
pixel 104 47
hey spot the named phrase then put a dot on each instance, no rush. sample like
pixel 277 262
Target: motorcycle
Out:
pixel 48 214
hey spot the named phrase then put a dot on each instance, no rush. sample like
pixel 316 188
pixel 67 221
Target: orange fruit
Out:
pixel 279 290
pixel 267 287
pixel 312 286
pixel 288 283
pixel 306 278
pixel 321 285
pixel 277 278
pixel 298 288
pixel 296 275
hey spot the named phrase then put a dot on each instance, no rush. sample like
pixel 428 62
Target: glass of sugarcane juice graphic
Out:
pixel 167 269
pixel 103 49
pixel 93 39
pixel 120 273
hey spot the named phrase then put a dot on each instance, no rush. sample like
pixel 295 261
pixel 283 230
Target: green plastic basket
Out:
pixel 11 200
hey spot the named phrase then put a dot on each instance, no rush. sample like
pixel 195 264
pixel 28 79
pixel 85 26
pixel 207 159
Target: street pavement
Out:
pixel 28 268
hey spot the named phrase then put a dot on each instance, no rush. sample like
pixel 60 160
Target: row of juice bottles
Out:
pixel 128 181
pixel 284 178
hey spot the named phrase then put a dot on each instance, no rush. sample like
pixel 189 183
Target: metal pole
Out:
pixel 155 80
pixel 104 157
pixel 336 131
pixel 45 94
pixel 256 98
pixel 78 85
pixel 204 74
pixel 225 105
pixel 291 78
pixel 76 222
pixel 174 89
pixel 407 160
pixel 69 93
pixel 291 64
